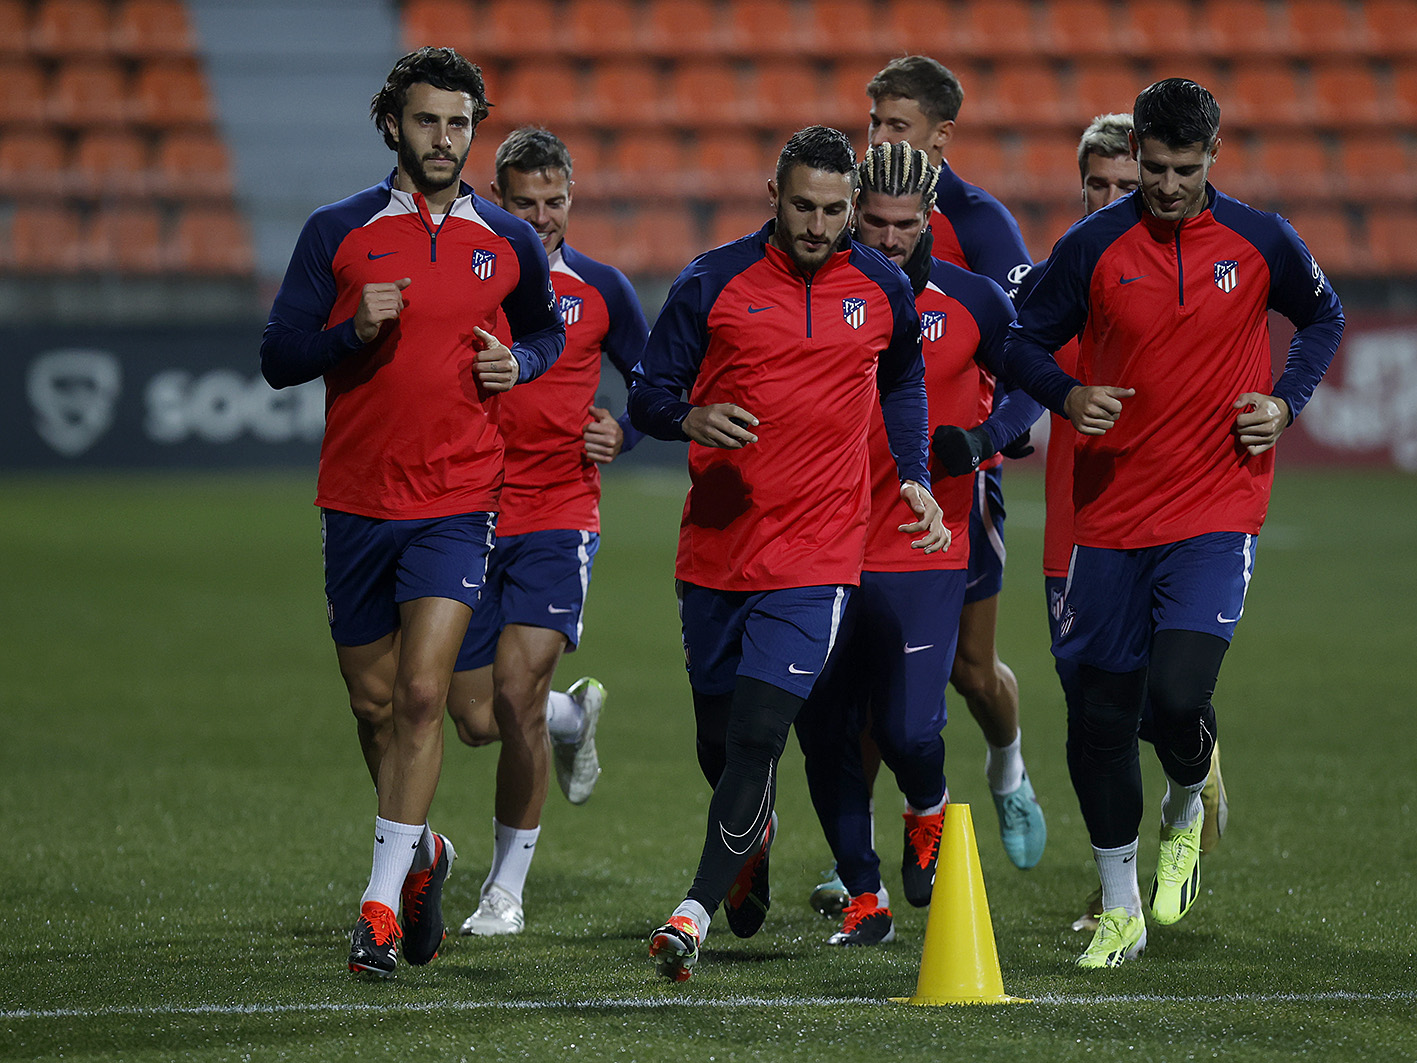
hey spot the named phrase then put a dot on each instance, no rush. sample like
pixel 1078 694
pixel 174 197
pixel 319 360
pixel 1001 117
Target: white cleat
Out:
pixel 577 763
pixel 498 914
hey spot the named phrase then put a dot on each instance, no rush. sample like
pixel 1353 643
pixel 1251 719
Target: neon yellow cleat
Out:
pixel 1120 936
pixel 1178 872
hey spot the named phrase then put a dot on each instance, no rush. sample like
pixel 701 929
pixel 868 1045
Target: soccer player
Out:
pixel 1168 290
pixel 548 532
pixel 391 296
pixel 785 341
pixel 917 100
pixel 897 638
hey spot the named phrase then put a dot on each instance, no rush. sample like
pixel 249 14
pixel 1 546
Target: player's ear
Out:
pixel 772 194
pixel 391 124
pixel 943 134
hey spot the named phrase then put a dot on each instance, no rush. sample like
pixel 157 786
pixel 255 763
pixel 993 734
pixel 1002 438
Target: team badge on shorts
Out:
pixel 854 311
pixel 484 264
pixel 932 324
pixel 1225 275
pixel 571 308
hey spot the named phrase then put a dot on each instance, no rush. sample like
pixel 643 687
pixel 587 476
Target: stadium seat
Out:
pixel 784 95
pixel 212 241
pixel 682 29
pixel 193 164
pixel 441 23
pixel 126 240
pixel 544 92
pixel 1104 87
pixel 999 30
pixel 1392 242
pixel 31 160
pixel 1289 166
pixel 1022 96
pixel 1346 94
pixel 1043 228
pixel 731 164
pixel 89 92
pixel 845 104
pixel 594 230
pixel 172 93
pixel 519 29
pixel 153 29
pixel 1323 29
pixel 846 28
pixel 24 92
pixel 1082 29
pixel 646 164
pixel 1327 233
pixel 1158 29
pixel 112 162
pixel 1046 169
pixel 981 160
pixel 707 94
pixel 1241 29
pixel 732 220
pixel 14 28
pixel 762 28
pixel 1390 29
pixel 1265 96
pixel 1376 168
pixel 659 240
pixel 71 28
pixel 43 239
pixel 598 29
pixel 626 93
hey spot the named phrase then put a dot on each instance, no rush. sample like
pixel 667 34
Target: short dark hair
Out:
pixel 899 170
pixel 529 149
pixel 930 83
pixel 443 68
pixel 1177 112
pixel 821 148
pixel 1106 138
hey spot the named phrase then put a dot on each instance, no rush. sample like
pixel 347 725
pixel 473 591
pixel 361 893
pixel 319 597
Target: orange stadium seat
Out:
pixel 762 28
pixel 90 92
pixel 1320 28
pixel 71 28
pixel 153 28
pixel 731 163
pixel 113 162
pixel 1264 95
pixel 30 161
pixel 1376 167
pixel 1042 230
pixel 996 29
pixel 707 94
pixel 1161 28
pixel 1390 29
pixel 517 29
pixel 127 240
pixel 846 105
pixel 601 28
pixel 1104 87
pixel 1237 29
pixel 1348 93
pixel 44 239
pixel 212 241
pixel 172 93
pixel 625 93
pixel 1025 96
pixel 443 24
pixel 927 27
pixel 682 29
pixel 981 160
pixel 733 220
pixel 594 230
pixel 1404 92
pixel 1083 29
pixel 545 92
pixel 193 164
pixel 785 95
pixel 649 164
pixel 1289 166
pixel 14 27
pixel 1047 169
pixel 24 92
pixel 849 28
pixel 658 239
pixel 1327 233
pixel 1392 242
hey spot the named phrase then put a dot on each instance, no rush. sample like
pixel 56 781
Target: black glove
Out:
pixel 959 450
pixel 1018 447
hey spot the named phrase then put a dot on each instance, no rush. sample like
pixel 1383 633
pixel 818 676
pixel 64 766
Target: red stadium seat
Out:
pixel 193 164
pixel 1047 169
pixel 153 28
pixel 785 95
pixel 44 239
pixel 71 28
pixel 981 160
pixel 646 164
pixel 30 161
pixel 1390 29
pixel 763 28
pixel 1158 29
pixel 708 94
pixel 1346 94
pixel 598 29
pixel 594 230
pixel 1265 96
pixel 172 93
pixel 682 29
pixel 1083 29
pixel 846 28
pixel 1328 234
pixel 113 162
pixel 90 92
pixel 24 92
pixel 1392 242
pixel 519 29
pixel 442 24
pixel 212 241
pixel 14 28
pixel 627 94
pixel 1324 28
pixel 734 220
pixel 1104 87
pixel 1239 29
pixel 845 104
pixel 1025 96
pixel 544 92
pixel 1290 165
pixel 127 240
pixel 731 164
pixel 1000 30
pixel 1376 167
pixel 659 240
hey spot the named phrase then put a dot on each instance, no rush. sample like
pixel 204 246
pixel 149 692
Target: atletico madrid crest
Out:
pixel 1225 275
pixel 571 309
pixel 854 311
pixel 484 264
pixel 932 324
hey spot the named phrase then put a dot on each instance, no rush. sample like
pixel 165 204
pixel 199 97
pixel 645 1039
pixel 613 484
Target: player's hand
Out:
pixel 722 425
pixel 603 437
pixel 1095 408
pixel 1261 420
pixel 496 367
pixel 932 520
pixel 960 450
pixel 378 303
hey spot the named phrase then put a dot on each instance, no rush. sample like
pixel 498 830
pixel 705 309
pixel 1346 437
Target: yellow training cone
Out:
pixel 960 964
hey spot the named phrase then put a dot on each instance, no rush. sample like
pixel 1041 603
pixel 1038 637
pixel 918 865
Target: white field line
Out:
pixel 1051 999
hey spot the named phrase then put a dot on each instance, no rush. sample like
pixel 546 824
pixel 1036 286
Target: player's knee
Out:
pixel 420 701
pixel 371 710
pixel 975 676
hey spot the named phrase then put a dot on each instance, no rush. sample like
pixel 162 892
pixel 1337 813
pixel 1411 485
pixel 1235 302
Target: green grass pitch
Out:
pixel 186 816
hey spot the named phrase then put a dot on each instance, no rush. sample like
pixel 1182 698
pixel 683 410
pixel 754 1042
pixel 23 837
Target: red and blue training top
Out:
pixel 407 429
pixel 810 358
pixel 551 484
pixel 1180 313
pixel 964 318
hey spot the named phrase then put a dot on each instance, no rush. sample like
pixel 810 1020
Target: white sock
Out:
pixel 933 810
pixel 871 816
pixel 512 850
pixel 394 846
pixel 423 856
pixel 1004 766
pixel 564 716
pixel 695 911
pixel 1181 805
pixel 1118 871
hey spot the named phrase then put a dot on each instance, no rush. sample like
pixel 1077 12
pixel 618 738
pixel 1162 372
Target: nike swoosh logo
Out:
pixel 792 669
pixel 916 649
pixel 1128 280
pixel 755 830
pixel 759 309
pixel 529 845
pixel 557 609
pixel 381 254
pixel 379 838
pixel 470 586
pixel 1226 619
pixel 1129 859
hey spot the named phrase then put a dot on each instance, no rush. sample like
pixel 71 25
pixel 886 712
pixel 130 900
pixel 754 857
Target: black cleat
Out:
pixel 422 894
pixel 374 947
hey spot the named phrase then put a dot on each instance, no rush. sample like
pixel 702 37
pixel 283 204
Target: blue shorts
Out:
pixel 781 637
pixel 1116 600
pixel 986 536
pixel 895 653
pixel 371 566
pixel 538 579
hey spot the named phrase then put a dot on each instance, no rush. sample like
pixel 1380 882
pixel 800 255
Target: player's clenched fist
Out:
pixel 496 368
pixel 378 303
pixel 1095 408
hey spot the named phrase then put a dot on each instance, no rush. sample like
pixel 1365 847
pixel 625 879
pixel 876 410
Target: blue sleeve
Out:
pixel 296 347
pixel 900 378
pixel 999 253
pixel 1052 313
pixel 1014 412
pixel 538 332
pixel 672 356
pixel 1300 291
pixel 624 343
